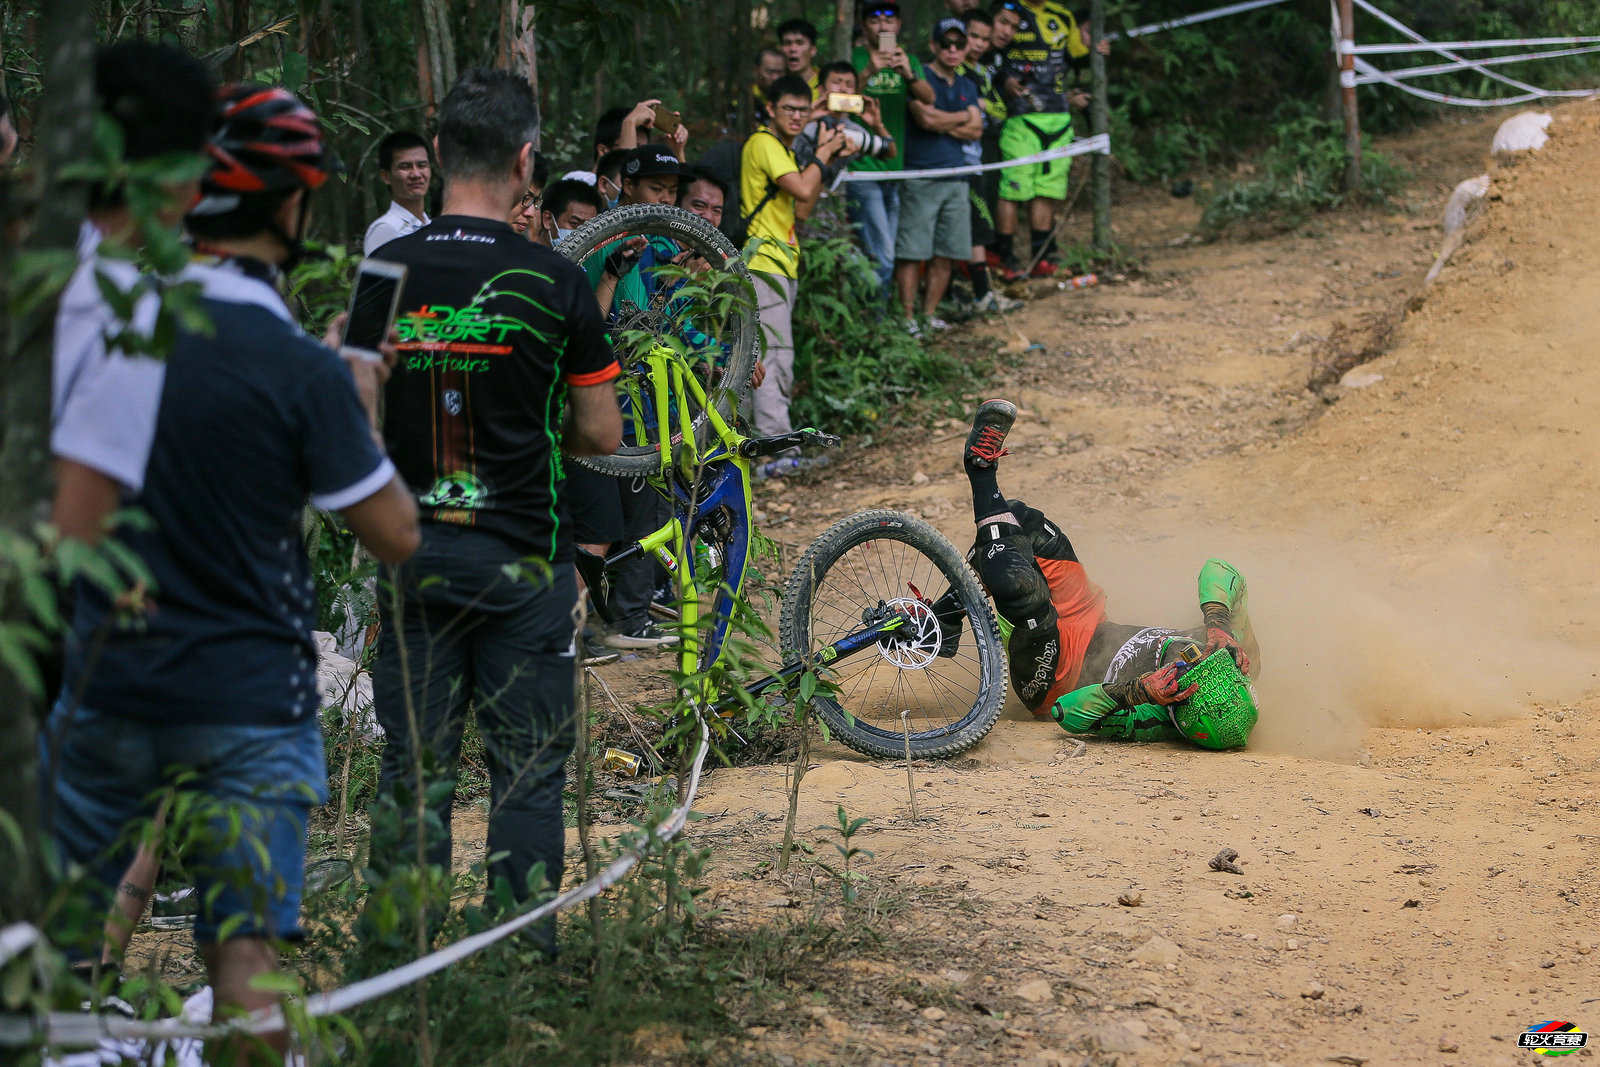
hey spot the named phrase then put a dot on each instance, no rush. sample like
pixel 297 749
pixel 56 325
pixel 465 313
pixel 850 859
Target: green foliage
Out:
pixel 855 365
pixel 1300 175
pixel 849 879
pixel 320 284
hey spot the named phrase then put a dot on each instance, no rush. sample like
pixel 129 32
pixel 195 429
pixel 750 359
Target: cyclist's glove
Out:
pixel 621 261
pixel 1219 634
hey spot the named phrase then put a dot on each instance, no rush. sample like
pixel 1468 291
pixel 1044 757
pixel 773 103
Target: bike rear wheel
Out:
pixel 731 322
pixel 886 560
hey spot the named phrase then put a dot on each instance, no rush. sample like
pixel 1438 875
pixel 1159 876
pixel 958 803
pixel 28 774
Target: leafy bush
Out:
pixel 855 365
pixel 1299 176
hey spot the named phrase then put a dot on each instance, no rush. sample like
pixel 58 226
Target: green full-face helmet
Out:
pixel 1222 712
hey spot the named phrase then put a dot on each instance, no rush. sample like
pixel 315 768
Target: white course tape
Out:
pixel 1190 20
pixel 1431 46
pixel 1465 64
pixel 1533 92
pixel 75 1030
pixel 1373 74
pixel 1098 143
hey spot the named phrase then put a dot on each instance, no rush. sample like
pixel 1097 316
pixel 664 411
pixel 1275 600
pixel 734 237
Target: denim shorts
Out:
pixel 256 784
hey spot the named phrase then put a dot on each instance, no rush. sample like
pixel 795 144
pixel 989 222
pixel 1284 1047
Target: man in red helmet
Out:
pixel 217 677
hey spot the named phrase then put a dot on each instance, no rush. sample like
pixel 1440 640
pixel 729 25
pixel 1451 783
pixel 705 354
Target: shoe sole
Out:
pixel 634 643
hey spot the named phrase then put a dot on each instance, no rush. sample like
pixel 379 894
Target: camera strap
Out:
pixel 772 186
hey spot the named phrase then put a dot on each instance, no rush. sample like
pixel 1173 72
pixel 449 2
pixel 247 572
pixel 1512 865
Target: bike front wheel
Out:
pixel 691 291
pixel 945 667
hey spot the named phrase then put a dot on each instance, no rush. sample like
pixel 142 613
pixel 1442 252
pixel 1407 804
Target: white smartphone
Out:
pixel 373 304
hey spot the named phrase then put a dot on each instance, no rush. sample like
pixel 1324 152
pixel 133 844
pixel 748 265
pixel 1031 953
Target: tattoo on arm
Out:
pixel 133 889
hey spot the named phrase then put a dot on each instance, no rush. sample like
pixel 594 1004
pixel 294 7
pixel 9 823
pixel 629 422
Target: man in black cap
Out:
pixel 650 176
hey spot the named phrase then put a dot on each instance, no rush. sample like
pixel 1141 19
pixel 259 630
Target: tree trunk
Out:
pixel 234 71
pixel 843 28
pixel 1099 122
pixel 66 116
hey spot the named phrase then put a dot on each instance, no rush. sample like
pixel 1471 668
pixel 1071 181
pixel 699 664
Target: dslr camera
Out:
pixel 858 142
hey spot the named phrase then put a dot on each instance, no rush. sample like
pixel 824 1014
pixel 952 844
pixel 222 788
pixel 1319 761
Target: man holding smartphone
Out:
pixel 218 673
pixel 890 77
pixel 504 364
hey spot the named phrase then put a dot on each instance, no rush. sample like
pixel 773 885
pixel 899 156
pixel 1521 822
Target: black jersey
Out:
pixel 493 329
pixel 1041 57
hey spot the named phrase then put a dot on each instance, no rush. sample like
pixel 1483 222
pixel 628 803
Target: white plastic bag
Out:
pixel 1522 132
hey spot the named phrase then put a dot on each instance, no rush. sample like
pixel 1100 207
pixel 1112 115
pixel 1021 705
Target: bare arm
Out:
pixel 594 423
pixel 933 120
pixel 386 522
pixel 971 129
pixel 85 498
pixel 920 91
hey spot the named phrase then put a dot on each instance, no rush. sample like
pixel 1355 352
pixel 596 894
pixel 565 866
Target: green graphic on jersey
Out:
pixel 459 489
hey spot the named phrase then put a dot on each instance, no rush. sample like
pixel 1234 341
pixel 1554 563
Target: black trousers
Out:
pixel 1007 559
pixel 473 638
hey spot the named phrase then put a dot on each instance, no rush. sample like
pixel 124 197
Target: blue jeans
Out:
pixel 874 210
pixel 107 771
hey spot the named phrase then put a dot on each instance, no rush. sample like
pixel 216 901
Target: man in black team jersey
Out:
pixel 503 363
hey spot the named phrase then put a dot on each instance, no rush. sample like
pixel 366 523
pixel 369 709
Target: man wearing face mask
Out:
pixel 566 205
pixel 608 176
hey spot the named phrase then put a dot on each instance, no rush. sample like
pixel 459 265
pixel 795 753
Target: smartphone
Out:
pixel 886 41
pixel 373 304
pixel 850 102
pixel 666 121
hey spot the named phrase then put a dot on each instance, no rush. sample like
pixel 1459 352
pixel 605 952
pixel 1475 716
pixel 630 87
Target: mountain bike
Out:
pixel 881 605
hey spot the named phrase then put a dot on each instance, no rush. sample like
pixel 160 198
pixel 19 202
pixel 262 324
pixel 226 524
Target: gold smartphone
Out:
pixel 666 122
pixel 886 41
pixel 853 103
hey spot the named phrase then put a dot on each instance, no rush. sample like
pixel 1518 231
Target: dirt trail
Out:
pixel 1416 815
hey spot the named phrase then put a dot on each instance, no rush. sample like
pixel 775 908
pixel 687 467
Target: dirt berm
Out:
pixel 1416 813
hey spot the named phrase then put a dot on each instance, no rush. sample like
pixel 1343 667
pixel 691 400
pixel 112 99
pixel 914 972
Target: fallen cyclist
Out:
pixel 1059 636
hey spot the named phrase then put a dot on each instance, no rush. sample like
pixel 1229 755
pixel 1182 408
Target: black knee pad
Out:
pixel 1013 579
pixel 1045 538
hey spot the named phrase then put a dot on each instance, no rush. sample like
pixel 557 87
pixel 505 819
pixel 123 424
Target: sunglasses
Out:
pixel 883 13
pixel 952 44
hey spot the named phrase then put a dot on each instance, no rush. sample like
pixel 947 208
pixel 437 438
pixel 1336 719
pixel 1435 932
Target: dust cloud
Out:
pixel 1351 639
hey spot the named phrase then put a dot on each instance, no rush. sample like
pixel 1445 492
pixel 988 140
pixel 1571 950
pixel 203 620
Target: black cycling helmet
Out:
pixel 266 142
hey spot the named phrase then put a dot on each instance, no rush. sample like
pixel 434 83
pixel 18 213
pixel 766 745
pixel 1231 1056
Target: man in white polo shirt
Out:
pixel 404 167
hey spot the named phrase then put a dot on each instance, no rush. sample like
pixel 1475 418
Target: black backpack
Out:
pixel 724 160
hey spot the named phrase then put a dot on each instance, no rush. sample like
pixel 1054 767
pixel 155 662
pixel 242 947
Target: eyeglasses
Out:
pixel 530 199
pixel 797 112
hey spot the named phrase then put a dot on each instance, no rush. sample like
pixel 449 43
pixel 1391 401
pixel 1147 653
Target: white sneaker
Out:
pixel 998 301
pixel 646 635
pixel 936 324
pixel 912 328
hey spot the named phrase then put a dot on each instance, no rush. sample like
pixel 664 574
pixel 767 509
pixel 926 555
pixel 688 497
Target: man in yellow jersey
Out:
pixel 779 191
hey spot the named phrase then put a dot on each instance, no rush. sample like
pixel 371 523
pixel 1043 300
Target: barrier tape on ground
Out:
pixel 1190 20
pixel 1530 92
pixel 1098 143
pixel 75 1030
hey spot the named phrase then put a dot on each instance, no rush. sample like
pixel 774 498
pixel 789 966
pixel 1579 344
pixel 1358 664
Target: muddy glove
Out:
pixel 1162 687
pixel 1219 634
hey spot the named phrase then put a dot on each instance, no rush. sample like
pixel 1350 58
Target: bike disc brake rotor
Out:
pixel 913 646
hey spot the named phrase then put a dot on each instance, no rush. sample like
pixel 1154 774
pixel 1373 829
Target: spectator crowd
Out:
pixel 444 458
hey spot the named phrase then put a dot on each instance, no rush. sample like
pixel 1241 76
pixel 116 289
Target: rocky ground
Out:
pixel 1415 816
